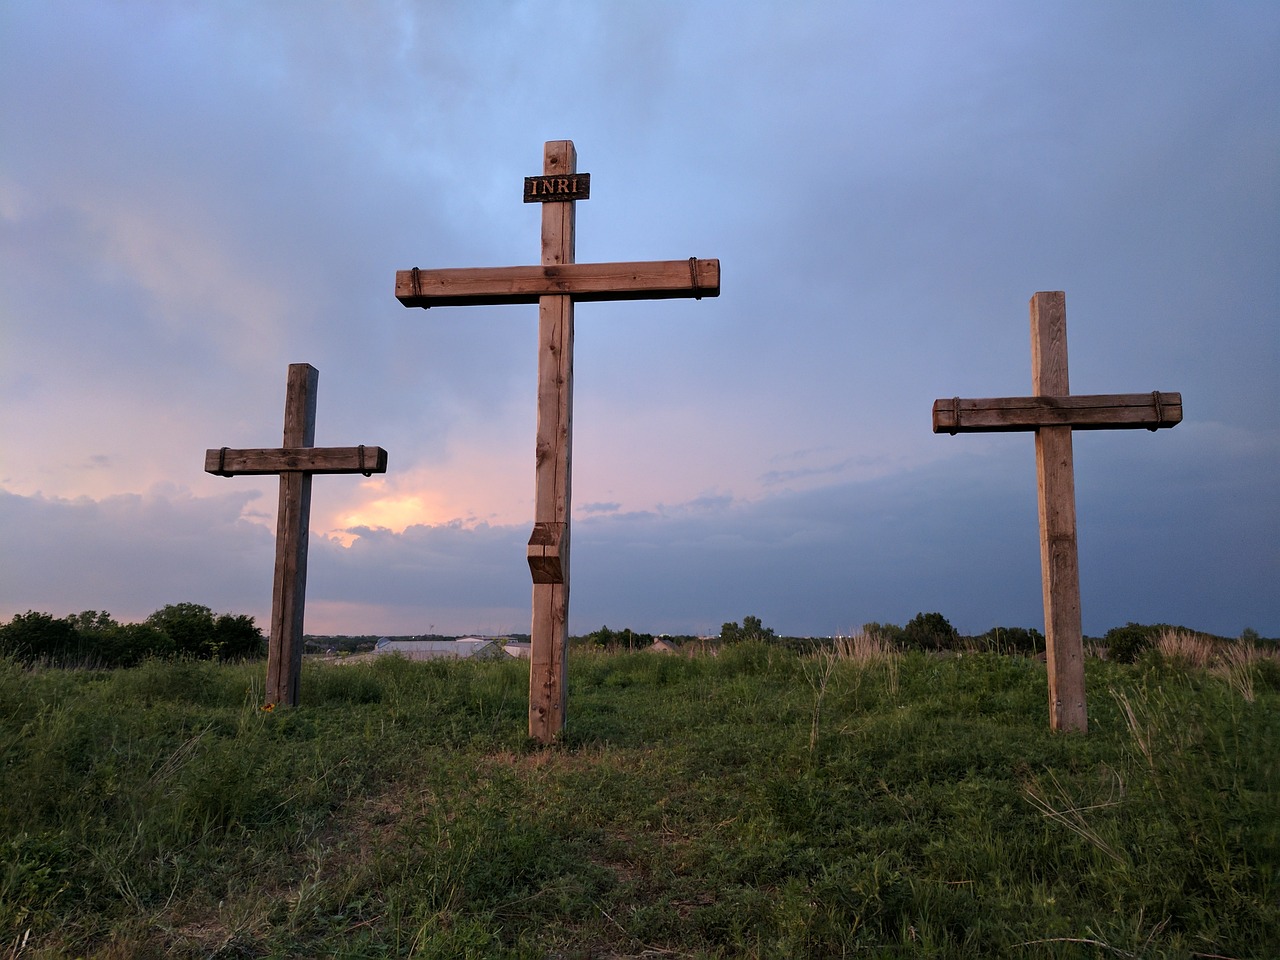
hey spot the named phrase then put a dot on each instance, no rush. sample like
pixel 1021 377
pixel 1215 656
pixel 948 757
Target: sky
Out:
pixel 194 196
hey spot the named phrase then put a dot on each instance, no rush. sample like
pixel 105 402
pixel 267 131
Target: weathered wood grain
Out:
pixel 296 462
pixel 1113 411
pixel 1052 413
pixel 1056 504
pixel 584 282
pixel 260 461
pixel 547 549
pixel 556 284
pixel 549 632
pixel 293 536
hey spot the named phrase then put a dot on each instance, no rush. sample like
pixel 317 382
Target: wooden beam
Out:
pixel 584 282
pixel 293 535
pixel 295 462
pixel 1056 502
pixel 1113 411
pixel 556 284
pixel 549 631
pixel 225 462
pixel 1052 413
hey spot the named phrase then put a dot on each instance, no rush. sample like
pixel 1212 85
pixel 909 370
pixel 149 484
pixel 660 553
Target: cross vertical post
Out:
pixel 1056 499
pixel 293 536
pixel 555 284
pixel 1052 413
pixel 295 463
pixel 549 633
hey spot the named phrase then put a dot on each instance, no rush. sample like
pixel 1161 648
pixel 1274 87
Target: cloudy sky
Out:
pixel 194 196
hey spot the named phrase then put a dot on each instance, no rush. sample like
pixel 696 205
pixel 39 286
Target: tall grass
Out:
pixel 1238 662
pixel 757 804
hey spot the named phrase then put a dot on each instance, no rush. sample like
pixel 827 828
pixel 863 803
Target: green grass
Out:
pixel 758 804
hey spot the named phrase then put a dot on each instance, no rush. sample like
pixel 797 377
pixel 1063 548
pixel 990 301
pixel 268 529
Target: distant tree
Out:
pixel 32 636
pixel 751 629
pixel 237 638
pixel 189 625
pixel 1125 644
pixel 604 637
pixel 88 622
pixel 107 643
pixel 196 632
pixel 930 631
pixel 95 638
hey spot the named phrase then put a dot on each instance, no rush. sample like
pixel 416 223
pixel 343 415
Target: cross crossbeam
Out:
pixel 1052 413
pixel 584 282
pixel 260 461
pixel 1110 411
pixel 295 462
pixel 556 284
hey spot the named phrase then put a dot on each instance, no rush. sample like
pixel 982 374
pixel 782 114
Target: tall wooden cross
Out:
pixel 555 285
pixel 296 462
pixel 1052 413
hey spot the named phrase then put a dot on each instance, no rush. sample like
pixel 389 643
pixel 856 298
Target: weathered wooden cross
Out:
pixel 295 462
pixel 1053 413
pixel 555 286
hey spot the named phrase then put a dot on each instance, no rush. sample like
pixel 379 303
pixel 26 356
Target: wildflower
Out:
pixel 268 707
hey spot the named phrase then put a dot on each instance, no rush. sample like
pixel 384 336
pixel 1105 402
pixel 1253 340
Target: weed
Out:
pixel 817 671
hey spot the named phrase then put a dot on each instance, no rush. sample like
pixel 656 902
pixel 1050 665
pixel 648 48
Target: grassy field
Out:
pixel 756 804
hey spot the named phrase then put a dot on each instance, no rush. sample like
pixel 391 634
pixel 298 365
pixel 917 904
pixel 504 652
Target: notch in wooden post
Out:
pixel 546 552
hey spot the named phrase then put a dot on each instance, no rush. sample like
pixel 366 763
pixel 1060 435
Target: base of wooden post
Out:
pixel 548 662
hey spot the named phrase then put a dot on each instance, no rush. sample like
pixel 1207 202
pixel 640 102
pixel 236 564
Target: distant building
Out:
pixel 465 648
pixel 662 646
pixel 520 649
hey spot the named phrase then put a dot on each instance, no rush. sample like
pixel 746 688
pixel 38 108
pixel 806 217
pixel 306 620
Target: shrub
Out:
pixel 1268 671
pixel 30 637
pixel 930 631
pixel 1011 640
pixel 189 625
pixel 130 644
pixel 196 632
pixel 104 642
pixel 625 639
pixel 236 638
pixel 92 638
pixel 1125 644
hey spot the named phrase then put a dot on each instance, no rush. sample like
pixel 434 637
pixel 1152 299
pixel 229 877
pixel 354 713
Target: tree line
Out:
pixel 928 632
pixel 94 638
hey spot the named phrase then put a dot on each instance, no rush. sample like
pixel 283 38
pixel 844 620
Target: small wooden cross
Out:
pixel 295 462
pixel 555 285
pixel 1053 413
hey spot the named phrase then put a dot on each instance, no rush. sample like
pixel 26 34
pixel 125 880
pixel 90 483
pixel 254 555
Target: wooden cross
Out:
pixel 555 285
pixel 1052 413
pixel 295 462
